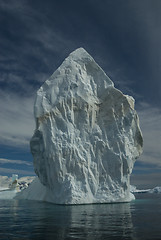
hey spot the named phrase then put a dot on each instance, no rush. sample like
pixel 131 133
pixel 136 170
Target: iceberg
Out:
pixel 6 194
pixel 87 136
pixel 134 190
pixel 10 186
pixel 155 190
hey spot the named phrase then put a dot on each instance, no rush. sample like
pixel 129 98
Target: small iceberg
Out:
pixel 134 190
pixel 12 189
pixel 155 190
pixel 9 187
pixel 7 194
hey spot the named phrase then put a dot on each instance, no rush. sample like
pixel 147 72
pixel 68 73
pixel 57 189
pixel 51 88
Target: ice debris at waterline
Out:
pixel 87 136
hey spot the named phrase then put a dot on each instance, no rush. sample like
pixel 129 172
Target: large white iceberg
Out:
pixel 87 136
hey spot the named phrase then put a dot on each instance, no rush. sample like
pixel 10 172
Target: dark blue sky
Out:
pixel 124 38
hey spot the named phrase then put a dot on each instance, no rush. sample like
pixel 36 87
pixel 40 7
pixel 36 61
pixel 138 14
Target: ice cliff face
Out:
pixel 87 135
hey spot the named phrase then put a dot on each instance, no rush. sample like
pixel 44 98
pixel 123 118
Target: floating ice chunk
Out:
pixel 7 194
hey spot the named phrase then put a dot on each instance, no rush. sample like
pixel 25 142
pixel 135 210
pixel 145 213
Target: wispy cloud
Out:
pixel 9 161
pixel 146 180
pixel 16 171
pixel 17 120
pixel 28 65
pixel 33 47
pixel 150 122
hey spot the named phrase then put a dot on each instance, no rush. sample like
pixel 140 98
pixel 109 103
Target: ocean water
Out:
pixel 140 219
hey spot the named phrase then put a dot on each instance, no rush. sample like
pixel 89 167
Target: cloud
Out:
pixel 146 167
pixel 17 120
pixel 18 5
pixel 146 180
pixel 150 122
pixel 31 47
pixel 9 161
pixel 15 171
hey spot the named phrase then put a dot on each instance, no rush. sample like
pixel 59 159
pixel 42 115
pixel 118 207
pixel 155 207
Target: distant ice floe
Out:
pixel 155 190
pixel 133 189
pixel 3 188
pixel 7 194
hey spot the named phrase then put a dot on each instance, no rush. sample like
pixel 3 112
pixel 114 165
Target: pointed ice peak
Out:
pixel 80 53
pixel 84 59
pixel 78 75
pixel 80 67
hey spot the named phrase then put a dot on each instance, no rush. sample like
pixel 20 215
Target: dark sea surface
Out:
pixel 140 219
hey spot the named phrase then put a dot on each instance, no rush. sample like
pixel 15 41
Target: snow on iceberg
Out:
pixel 87 136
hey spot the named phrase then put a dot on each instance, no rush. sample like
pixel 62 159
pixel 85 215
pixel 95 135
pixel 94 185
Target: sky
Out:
pixel 124 38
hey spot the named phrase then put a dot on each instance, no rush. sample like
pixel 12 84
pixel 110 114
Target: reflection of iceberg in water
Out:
pixel 48 221
pixel 104 221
